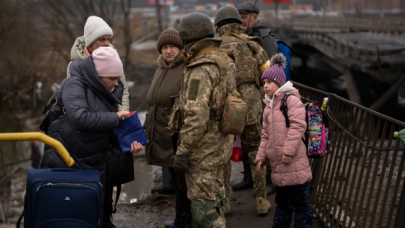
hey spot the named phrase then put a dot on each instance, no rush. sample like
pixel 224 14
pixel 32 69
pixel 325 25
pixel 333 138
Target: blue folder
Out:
pixel 130 130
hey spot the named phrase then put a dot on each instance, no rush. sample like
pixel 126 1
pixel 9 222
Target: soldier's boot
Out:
pixel 226 205
pixel 263 205
pixel 247 181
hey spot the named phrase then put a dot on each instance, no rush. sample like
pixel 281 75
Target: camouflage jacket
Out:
pixel 207 81
pixel 77 52
pixel 250 61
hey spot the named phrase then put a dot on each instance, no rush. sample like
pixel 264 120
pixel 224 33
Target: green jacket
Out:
pixel 166 83
pixel 77 53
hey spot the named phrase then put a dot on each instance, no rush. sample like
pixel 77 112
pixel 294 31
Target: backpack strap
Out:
pixel 240 37
pixel 284 108
pixel 208 49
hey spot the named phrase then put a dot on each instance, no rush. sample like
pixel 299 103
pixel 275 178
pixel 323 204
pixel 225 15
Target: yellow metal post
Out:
pixel 27 136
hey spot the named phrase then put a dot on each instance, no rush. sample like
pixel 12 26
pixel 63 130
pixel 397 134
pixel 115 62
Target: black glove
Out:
pixel 180 163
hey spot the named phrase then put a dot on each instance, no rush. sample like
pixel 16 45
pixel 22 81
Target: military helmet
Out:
pixel 195 26
pixel 227 13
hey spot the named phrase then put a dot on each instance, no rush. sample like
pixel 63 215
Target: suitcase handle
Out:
pixel 43 138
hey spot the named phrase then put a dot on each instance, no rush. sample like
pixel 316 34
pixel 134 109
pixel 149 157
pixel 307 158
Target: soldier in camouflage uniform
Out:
pixel 209 74
pixel 250 60
pixel 249 12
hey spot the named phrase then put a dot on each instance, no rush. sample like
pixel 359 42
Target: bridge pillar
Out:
pixel 388 95
pixel 351 86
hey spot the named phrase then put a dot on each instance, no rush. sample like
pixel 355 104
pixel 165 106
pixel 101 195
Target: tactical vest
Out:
pixel 224 86
pixel 245 63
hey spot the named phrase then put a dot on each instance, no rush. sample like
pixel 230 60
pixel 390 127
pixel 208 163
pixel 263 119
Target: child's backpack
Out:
pixel 53 109
pixel 316 137
pixel 287 52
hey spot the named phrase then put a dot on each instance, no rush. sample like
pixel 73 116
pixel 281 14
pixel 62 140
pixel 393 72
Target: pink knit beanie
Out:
pixel 107 62
pixel 276 71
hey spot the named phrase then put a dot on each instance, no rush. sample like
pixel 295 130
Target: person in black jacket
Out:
pixel 249 12
pixel 88 129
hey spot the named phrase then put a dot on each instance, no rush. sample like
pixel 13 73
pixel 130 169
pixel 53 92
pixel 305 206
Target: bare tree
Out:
pixel 66 19
pixel 126 11
pixel 21 61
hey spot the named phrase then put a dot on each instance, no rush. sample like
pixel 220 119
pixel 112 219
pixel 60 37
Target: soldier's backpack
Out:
pixel 53 109
pixel 316 136
pixel 287 52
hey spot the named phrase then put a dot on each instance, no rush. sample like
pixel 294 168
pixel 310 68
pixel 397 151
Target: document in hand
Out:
pixel 129 131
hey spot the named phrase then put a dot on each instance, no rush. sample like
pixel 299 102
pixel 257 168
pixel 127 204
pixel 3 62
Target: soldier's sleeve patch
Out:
pixel 193 89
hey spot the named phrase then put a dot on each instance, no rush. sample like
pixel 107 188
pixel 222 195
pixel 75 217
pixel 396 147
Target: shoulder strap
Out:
pixel 242 38
pixel 284 108
pixel 208 49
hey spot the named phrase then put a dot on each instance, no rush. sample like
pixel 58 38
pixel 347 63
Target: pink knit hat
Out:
pixel 107 62
pixel 276 71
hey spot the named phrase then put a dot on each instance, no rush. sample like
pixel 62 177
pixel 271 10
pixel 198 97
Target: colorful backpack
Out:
pixel 316 137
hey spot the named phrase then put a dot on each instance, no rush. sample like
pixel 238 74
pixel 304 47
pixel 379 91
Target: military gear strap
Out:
pixel 208 49
pixel 242 38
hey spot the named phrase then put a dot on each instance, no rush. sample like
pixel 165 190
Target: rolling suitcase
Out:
pixel 62 197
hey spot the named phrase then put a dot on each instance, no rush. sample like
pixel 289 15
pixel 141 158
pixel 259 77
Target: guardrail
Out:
pixel 360 183
pixel 390 26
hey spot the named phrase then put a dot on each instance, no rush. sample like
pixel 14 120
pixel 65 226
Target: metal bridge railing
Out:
pixel 360 182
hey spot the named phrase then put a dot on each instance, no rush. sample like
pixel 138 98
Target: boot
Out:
pixel 227 205
pixel 247 181
pixel 107 223
pixel 263 206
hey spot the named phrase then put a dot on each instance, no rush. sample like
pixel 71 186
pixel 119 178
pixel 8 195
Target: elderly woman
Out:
pixel 163 90
pixel 88 130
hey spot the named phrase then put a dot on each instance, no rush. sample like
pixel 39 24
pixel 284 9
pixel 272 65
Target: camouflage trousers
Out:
pixel 288 199
pixel 251 138
pixel 204 185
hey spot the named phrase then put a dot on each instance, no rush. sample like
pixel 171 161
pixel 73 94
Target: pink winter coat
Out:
pixel 277 139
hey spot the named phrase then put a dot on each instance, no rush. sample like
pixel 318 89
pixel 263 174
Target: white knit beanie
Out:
pixel 95 28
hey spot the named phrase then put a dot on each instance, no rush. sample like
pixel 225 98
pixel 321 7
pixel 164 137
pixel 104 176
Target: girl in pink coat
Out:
pixel 285 149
